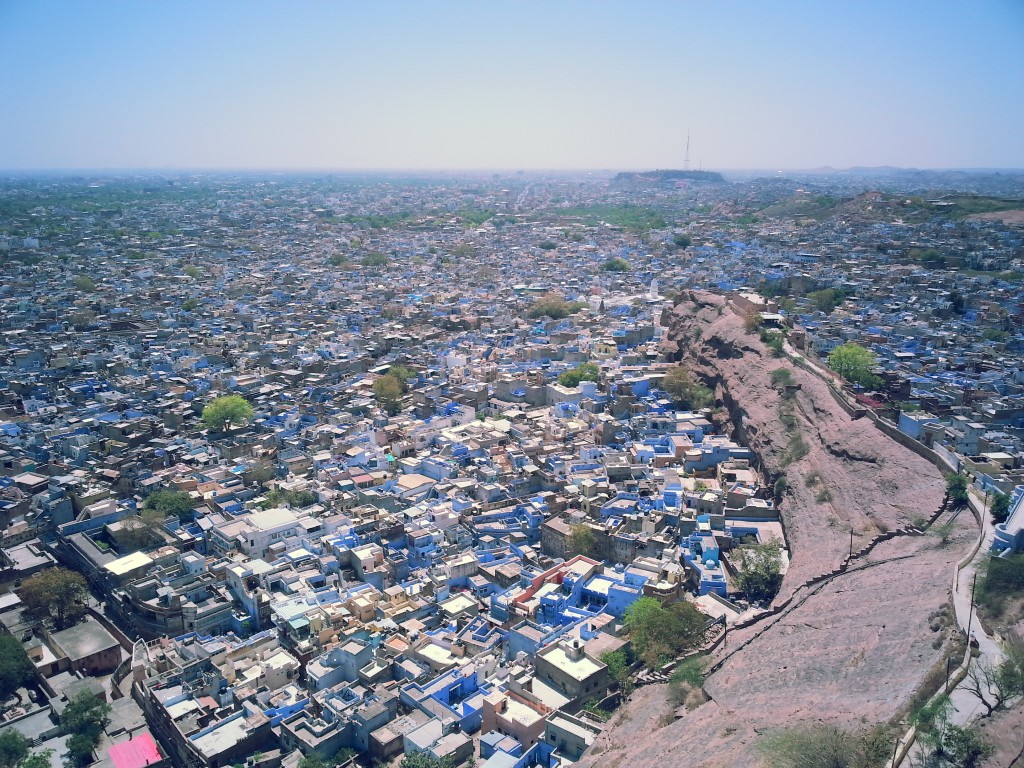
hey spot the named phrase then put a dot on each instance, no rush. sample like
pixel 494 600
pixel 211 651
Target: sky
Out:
pixel 432 84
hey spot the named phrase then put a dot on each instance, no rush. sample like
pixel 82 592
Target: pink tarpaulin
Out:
pixel 137 753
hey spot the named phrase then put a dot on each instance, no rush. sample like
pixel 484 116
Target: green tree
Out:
pixel 581 540
pixel 423 760
pixel 388 392
pixel 931 720
pixel 618 666
pixel 965 746
pixel 190 305
pixel 686 391
pixel 855 364
pixel 80 748
pixel 681 241
pixel 139 530
pixel 375 259
pixel 279 497
pixel 760 570
pixel 401 374
pixel 226 410
pixel 15 667
pixel 57 594
pixel 337 259
pixel 1000 508
pixel 13 748
pixel 582 372
pixel 84 283
pixel 169 503
pixel 956 487
pixel 548 245
pixel 554 306
pixel 84 718
pixel 615 265
pixel 775 342
pixel 313 760
pixel 782 377
pixel 825 746
pixel 686 677
pixel 659 633
pixel 826 300
pixel 192 271
pixel 993 334
pixel 40 759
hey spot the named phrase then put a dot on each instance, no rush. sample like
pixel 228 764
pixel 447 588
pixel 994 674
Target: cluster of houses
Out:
pixel 344 576
pixel 341 576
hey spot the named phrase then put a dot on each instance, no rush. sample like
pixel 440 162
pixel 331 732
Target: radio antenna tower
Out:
pixel 686 157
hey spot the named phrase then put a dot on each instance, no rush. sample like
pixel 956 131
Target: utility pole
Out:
pixel 851 543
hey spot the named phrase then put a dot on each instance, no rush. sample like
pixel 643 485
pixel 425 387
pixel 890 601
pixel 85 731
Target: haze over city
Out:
pixel 526 85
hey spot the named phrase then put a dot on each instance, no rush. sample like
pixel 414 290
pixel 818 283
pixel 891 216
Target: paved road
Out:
pixel 966 706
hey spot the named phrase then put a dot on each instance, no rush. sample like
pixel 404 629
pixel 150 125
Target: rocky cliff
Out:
pixel 841 474
pixel 851 649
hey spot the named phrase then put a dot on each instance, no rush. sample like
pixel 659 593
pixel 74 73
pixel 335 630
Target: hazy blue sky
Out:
pixel 486 84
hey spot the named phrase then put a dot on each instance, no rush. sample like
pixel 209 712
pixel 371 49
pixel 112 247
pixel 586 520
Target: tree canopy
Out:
pixel 618 665
pixel 1000 508
pixel 686 390
pixel 581 540
pixel 139 530
pixel 956 487
pixel 827 299
pixel 13 748
pixel 582 372
pixel 388 391
pixel 423 760
pixel 15 667
pixel 84 718
pixel 855 364
pixel 554 306
pixel 659 633
pixel 57 594
pixel 226 410
pixel 375 259
pixel 279 497
pixel 615 265
pixel 168 502
pixel 825 746
pixel 401 374
pixel 14 752
pixel 760 570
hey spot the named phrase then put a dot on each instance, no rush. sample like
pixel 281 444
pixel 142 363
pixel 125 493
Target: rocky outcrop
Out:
pixel 852 647
pixel 842 474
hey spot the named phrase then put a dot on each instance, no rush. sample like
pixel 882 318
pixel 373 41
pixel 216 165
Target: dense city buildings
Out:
pixel 459 439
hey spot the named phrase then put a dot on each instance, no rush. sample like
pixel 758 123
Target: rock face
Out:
pixel 849 650
pixel 852 477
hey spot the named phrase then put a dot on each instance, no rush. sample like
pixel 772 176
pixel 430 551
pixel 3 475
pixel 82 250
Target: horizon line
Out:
pixel 474 170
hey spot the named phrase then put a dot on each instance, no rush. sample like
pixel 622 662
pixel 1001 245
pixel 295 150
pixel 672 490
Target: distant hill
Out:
pixel 666 176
